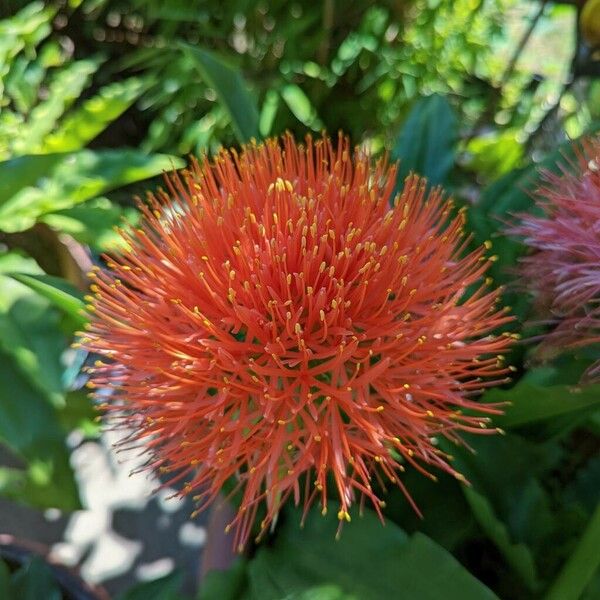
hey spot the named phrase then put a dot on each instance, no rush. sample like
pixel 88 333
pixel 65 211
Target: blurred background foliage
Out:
pixel 99 97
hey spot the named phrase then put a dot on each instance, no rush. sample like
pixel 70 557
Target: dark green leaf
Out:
pixel 231 90
pixel 507 498
pixel 531 403
pixel 35 581
pixel 164 588
pixel 4 581
pixel 225 585
pixel 581 566
pixel 370 561
pixel 427 141
pixel 517 555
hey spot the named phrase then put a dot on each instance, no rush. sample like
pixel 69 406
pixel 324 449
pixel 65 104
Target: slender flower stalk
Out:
pixel 563 269
pixel 277 322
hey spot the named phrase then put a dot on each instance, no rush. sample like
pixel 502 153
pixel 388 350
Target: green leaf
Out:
pixel 85 123
pixel 369 562
pixel 495 154
pixel 585 488
pixel 59 292
pixel 532 403
pixel 64 88
pixel 581 566
pixel 164 588
pixel 225 585
pixel 79 413
pixel 427 141
pixel 30 331
pixel 76 177
pixel 4 580
pixel 35 581
pixel 93 222
pixel 25 171
pixel 230 88
pixel 268 112
pixel 507 499
pixel 301 107
pixel 29 427
pixel 517 555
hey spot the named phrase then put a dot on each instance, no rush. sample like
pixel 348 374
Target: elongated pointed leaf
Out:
pixel 427 141
pixel 83 124
pixel 531 403
pixel 231 90
pixel 75 178
pixel 58 291
pixel 581 566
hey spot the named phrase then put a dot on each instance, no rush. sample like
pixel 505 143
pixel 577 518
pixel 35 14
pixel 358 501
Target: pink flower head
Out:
pixel 564 268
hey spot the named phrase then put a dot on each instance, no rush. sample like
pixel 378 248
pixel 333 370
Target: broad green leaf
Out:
pixel 531 403
pixel 449 523
pixel 369 562
pixel 427 141
pixel 581 566
pixel 230 88
pixel 25 171
pixel 59 292
pixel 83 124
pixel 77 177
pixel 164 588
pixel 29 427
pixel 35 581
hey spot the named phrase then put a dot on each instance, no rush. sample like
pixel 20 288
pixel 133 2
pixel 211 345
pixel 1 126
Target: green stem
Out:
pixel 581 566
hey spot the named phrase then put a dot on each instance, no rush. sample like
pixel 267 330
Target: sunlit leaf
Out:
pixel 75 178
pixel 83 124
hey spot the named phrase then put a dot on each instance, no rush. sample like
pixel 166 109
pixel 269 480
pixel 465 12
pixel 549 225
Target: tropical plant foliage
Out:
pixel 98 96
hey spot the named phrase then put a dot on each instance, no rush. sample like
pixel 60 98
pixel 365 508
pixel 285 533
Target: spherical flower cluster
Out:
pixel 278 322
pixel 564 268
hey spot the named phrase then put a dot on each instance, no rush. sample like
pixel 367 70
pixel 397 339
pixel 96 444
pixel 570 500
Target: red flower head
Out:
pixel 564 268
pixel 276 321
